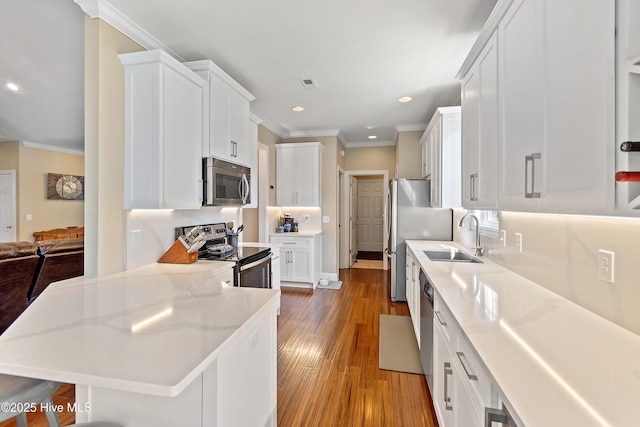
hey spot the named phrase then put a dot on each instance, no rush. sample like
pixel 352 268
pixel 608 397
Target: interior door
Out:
pixel 353 221
pixel 370 215
pixel 7 206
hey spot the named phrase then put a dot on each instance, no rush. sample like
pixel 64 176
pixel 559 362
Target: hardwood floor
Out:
pixel 328 361
pixel 328 371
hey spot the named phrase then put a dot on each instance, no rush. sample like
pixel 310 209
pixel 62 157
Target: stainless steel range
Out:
pixel 252 265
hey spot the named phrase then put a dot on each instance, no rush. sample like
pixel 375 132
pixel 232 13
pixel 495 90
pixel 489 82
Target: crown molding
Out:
pixel 49 147
pixel 485 34
pixel 411 127
pixel 278 130
pixel 104 11
pixel 369 144
pixel 312 133
pixel 255 118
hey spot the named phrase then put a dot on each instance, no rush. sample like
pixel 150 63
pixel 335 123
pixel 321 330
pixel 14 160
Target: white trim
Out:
pixel 51 148
pixel 206 65
pixel 312 133
pixel 275 128
pixel 13 214
pixel 346 194
pixel 376 143
pixel 410 128
pixel 103 10
pixel 255 118
pixel 485 34
pixel 330 276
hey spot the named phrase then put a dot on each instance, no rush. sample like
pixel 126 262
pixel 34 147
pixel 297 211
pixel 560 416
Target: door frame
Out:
pixel 11 173
pixel 345 209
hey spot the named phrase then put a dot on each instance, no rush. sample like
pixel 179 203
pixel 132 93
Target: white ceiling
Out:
pixel 363 55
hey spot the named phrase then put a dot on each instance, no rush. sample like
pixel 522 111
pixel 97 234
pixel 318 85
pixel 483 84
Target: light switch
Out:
pixel 325 219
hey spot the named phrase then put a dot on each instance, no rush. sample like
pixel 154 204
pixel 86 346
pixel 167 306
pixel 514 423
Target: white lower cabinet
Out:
pixel 462 388
pixel 413 291
pixel 300 260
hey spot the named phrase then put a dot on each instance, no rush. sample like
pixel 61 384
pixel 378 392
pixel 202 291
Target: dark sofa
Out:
pixel 26 269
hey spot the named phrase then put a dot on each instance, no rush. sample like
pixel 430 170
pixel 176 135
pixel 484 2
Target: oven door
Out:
pixel 225 184
pixel 255 275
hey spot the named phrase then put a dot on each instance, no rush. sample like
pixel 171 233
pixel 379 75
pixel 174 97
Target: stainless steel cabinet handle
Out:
pixel 492 415
pixel 474 180
pixel 530 158
pixel 447 399
pixel 470 375
pixel 442 322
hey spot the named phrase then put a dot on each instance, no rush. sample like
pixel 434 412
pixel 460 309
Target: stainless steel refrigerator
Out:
pixel 410 217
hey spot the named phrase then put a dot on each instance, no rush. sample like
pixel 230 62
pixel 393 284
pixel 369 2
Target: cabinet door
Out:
pixel 301 265
pixel 306 176
pixel 480 130
pixel 521 141
pixel 238 121
pixel 463 408
pixel 182 133
pixel 578 123
pixel 220 138
pixel 442 380
pixel 285 164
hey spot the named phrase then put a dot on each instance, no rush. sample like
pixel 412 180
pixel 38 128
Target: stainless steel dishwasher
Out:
pixel 426 328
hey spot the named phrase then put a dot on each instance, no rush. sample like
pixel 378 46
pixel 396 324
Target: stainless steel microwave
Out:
pixel 225 183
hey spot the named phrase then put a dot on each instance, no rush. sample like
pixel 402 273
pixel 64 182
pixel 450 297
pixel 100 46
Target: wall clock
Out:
pixel 65 187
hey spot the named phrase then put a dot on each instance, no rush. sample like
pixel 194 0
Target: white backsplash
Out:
pixel 157 230
pixel 560 252
pixel 313 224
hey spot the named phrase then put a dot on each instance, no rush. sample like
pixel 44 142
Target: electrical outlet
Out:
pixel 325 220
pixel 503 237
pixel 605 265
pixel 519 241
pixel 136 238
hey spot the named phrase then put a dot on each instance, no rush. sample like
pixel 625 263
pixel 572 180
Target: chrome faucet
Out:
pixel 479 249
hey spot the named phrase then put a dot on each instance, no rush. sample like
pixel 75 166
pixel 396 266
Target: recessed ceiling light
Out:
pixel 297 108
pixel 12 86
pixel 404 99
pixel 372 137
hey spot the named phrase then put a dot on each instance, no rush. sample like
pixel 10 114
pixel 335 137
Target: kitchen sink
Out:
pixel 452 255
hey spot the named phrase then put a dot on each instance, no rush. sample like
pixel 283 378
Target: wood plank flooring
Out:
pixel 328 371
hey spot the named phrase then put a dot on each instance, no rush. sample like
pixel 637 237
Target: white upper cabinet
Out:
pixel 480 130
pixel 299 174
pixel 226 109
pixel 441 152
pixel 163 132
pixel 557 106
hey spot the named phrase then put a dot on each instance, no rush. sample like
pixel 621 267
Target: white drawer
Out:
pixel 444 320
pixel 292 242
pixel 473 372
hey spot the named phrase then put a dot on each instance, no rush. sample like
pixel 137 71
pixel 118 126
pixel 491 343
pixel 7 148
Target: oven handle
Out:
pixel 258 262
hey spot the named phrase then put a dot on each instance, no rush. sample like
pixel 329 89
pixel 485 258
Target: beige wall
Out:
pixel 105 225
pixel 371 158
pixel 409 154
pixel 9 154
pixel 560 253
pixel 251 231
pixel 32 166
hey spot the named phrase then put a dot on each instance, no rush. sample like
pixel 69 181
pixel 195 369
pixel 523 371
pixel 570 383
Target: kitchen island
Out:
pixel 550 361
pixel 161 345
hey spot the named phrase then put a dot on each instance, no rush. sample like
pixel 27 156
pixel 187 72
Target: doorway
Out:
pixel 363 209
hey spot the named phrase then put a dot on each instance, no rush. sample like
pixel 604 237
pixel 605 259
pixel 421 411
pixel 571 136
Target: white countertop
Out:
pixel 151 330
pixel 557 363
pixel 296 233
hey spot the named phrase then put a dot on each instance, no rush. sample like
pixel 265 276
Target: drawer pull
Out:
pixel 442 322
pixel 447 399
pixel 500 416
pixel 461 356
